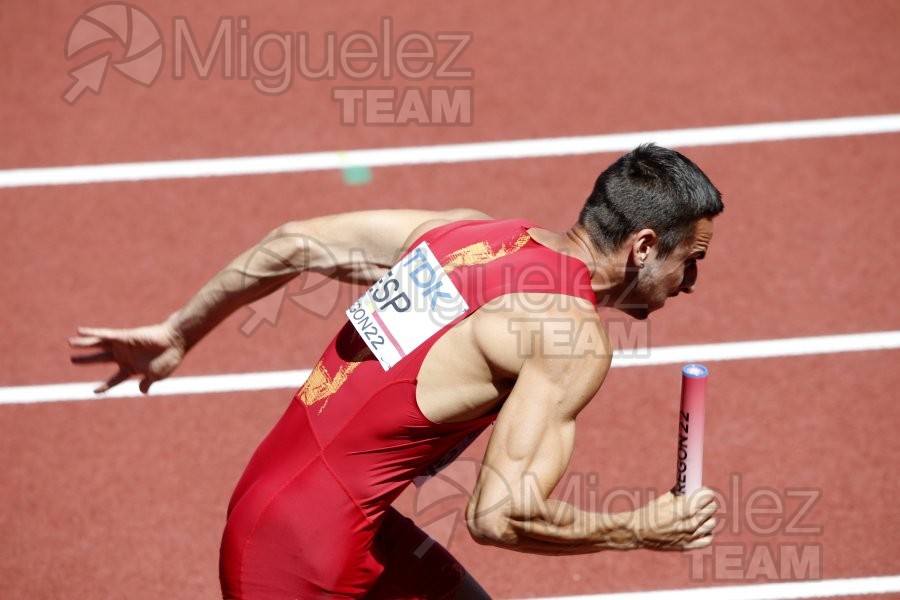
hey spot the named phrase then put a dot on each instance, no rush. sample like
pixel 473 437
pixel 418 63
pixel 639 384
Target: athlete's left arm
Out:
pixel 354 246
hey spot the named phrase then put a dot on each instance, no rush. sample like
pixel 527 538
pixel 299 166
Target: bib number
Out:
pixel 408 305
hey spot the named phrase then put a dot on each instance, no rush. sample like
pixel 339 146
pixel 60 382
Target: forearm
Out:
pixel 257 272
pixel 354 247
pixel 561 528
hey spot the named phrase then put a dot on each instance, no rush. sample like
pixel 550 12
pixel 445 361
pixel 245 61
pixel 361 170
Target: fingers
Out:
pixel 86 342
pixel 145 384
pixel 705 513
pixel 703 523
pixel 702 507
pixel 87 359
pixel 695 519
pixel 700 542
pixel 697 507
pixel 120 376
pixel 706 528
pixel 701 498
pixel 92 337
pixel 100 332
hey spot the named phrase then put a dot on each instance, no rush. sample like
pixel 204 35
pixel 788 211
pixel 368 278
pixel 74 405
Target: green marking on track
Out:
pixel 356 175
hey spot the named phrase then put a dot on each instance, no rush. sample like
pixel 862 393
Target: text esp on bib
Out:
pixel 409 304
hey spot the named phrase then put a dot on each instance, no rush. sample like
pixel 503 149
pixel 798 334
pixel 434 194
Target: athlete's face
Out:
pixel 661 279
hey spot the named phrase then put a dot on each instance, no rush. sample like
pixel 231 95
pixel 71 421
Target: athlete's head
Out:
pixel 655 207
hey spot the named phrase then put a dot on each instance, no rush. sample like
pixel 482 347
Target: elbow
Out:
pixel 289 229
pixel 489 531
pixel 294 244
pixel 286 240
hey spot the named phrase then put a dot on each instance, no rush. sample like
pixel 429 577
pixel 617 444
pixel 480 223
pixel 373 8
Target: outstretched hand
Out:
pixel 151 353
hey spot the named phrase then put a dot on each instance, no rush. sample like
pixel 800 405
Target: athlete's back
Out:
pixel 303 517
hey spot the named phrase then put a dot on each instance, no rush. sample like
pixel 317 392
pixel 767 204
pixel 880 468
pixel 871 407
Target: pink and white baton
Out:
pixel 689 476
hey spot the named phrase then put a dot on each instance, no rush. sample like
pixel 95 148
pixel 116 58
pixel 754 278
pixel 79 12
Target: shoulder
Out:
pixel 550 340
pixel 438 219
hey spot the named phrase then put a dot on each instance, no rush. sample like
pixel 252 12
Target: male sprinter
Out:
pixel 460 329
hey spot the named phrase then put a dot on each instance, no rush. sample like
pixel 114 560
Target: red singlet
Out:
pixel 303 520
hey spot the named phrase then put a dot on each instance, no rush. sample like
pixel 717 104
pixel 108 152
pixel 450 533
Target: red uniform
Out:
pixel 311 515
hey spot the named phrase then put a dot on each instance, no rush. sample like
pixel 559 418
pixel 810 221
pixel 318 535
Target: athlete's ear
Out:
pixel 642 242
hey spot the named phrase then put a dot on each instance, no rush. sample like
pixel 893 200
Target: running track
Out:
pixel 125 498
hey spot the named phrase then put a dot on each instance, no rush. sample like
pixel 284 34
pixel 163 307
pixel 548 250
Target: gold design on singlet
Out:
pixel 320 385
pixel 481 253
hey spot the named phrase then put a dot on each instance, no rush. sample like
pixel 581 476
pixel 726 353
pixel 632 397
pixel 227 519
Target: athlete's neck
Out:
pixel 605 269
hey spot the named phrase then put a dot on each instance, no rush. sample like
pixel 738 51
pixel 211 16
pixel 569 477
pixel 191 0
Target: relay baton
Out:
pixel 688 478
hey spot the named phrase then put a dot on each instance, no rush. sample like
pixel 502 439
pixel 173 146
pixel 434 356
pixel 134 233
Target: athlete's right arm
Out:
pixel 561 359
pixel 355 247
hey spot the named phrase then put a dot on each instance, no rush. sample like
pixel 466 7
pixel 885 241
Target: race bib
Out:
pixel 409 304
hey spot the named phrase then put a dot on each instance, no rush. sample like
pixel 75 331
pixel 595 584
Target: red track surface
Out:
pixel 126 498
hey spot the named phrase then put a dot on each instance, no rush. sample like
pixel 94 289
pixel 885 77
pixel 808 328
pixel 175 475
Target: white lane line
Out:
pixel 826 588
pixel 201 384
pixel 246 382
pixel 450 153
pixel 826 344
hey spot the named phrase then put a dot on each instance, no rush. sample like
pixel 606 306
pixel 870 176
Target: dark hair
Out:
pixel 650 187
